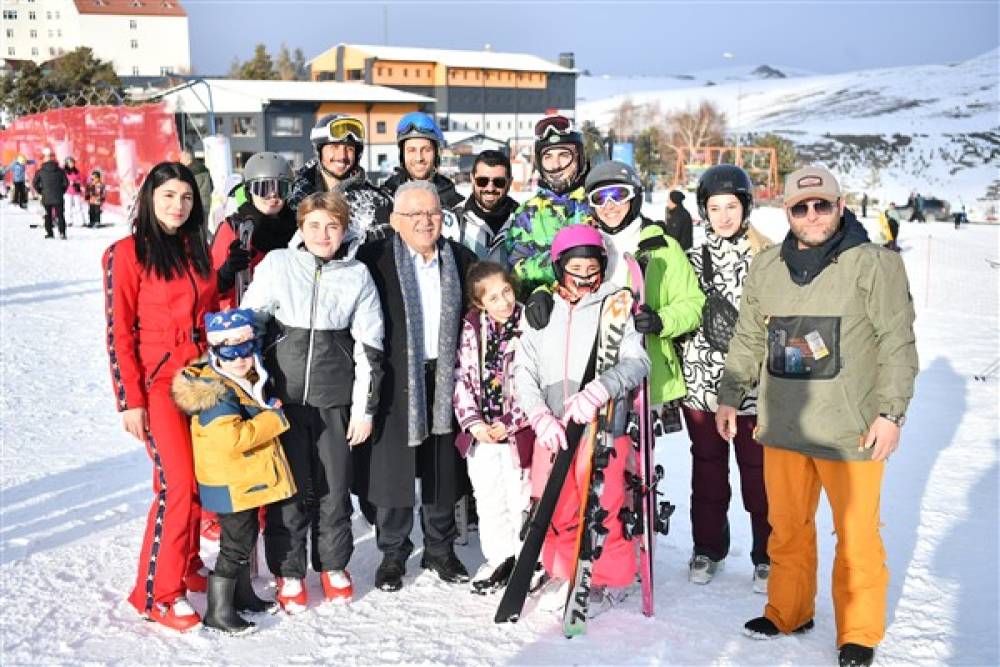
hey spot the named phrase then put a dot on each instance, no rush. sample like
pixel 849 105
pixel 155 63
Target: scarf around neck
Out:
pixel 495 217
pixel 494 340
pixel 451 315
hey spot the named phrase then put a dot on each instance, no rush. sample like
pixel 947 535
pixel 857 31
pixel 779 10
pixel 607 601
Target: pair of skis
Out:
pixel 641 520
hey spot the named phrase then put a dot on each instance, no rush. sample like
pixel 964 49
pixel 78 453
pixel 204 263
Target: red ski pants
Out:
pixel 170 546
pixel 618 563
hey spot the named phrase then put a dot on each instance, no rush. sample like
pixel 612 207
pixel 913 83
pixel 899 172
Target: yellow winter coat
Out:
pixel 238 461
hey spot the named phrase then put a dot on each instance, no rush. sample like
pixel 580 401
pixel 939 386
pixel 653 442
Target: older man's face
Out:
pixel 416 217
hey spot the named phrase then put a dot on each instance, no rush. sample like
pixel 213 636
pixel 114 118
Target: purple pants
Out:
pixel 710 490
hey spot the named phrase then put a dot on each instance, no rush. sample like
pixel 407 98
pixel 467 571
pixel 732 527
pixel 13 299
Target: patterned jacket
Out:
pixel 370 207
pixel 468 376
pixel 702 364
pixel 536 222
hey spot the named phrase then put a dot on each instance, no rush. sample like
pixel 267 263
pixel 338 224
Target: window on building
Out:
pixel 381 159
pixel 380 127
pixel 10 33
pixel 34 50
pixel 294 158
pixel 133 24
pixel 165 70
pixel 51 33
pixel 240 159
pixel 48 16
pixel 33 34
pixel 31 16
pixel 390 71
pixel 355 75
pixel 406 72
pixel 10 50
pixel 58 33
pixel 244 126
pixel 134 43
pixel 10 14
pixel 52 51
pixel 135 70
pixel 57 16
pixel 287 126
pixel 379 70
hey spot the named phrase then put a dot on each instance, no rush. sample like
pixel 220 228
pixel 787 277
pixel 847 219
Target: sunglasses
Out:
pixel 821 206
pixel 498 181
pixel 553 125
pixel 614 193
pixel 344 129
pixel 232 352
pixel 269 187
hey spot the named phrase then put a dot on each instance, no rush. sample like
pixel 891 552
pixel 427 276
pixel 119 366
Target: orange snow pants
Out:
pixel 618 563
pixel 860 575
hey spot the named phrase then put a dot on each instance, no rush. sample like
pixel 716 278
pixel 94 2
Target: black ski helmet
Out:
pixel 725 179
pixel 611 172
pixel 554 131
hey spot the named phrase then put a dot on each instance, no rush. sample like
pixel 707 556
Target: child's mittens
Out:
pixel 548 430
pixel 582 406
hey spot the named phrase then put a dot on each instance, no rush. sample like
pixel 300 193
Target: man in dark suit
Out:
pixel 420 280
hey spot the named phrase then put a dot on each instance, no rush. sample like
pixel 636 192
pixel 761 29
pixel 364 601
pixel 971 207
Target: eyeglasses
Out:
pixel 416 216
pixel 238 351
pixel 615 193
pixel 344 129
pixel 557 125
pixel 821 206
pixel 269 187
pixel 498 181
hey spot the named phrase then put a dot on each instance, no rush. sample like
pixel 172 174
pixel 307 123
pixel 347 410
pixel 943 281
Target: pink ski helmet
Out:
pixel 577 241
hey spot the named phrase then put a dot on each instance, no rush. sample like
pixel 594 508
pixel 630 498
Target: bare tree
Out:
pixel 694 128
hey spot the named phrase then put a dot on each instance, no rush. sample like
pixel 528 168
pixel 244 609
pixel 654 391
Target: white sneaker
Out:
pixel 703 569
pixel 761 573
pixel 552 595
pixel 603 598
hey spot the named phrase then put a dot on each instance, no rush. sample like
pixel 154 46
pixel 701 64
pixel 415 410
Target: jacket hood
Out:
pixel 197 388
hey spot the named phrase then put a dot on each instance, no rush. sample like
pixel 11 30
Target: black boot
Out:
pixel 245 597
pixel 221 614
pixel 856 655
pixel 447 566
pixel 497 579
pixel 764 628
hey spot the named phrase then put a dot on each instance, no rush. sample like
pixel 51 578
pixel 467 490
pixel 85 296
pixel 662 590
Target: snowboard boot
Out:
pixel 221 614
pixel 702 569
pixel 764 628
pixel 245 598
pixel 496 580
pixel 761 573
pixel 856 655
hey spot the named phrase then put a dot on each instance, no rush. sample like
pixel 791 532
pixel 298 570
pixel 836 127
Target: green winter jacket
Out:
pixel 831 355
pixel 672 291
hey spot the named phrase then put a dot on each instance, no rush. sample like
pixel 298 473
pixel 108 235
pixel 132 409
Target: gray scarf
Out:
pixel 451 314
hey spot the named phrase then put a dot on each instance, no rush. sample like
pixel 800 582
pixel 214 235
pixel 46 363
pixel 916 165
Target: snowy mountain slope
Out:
pixel 934 128
pixel 74 490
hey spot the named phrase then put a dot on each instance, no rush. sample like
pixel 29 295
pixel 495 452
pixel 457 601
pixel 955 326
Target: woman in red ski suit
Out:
pixel 158 285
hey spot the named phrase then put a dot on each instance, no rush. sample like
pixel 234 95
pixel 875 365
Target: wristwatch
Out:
pixel 898 420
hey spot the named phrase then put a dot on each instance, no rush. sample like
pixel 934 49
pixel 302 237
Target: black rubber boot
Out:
pixel 856 655
pixel 221 614
pixel 245 597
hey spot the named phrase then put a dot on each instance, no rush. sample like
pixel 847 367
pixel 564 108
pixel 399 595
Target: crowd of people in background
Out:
pixel 336 339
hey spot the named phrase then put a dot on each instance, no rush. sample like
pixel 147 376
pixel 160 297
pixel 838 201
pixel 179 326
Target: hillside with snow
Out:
pixel 930 128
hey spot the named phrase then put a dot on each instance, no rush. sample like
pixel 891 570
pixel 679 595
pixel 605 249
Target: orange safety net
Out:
pixel 122 142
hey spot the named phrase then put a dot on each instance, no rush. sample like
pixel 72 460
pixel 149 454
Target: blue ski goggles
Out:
pixel 418 123
pixel 618 194
pixel 238 351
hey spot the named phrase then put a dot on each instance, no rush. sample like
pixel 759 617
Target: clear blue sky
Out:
pixel 614 36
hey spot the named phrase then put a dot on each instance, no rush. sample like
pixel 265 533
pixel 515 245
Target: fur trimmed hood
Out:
pixel 197 388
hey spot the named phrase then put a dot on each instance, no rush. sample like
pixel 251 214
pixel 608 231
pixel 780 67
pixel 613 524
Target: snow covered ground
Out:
pixel 74 491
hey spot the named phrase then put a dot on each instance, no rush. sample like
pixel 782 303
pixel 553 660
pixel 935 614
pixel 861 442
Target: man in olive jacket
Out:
pixel 826 328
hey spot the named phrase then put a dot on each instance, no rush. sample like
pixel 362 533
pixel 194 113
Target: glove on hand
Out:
pixel 538 308
pixel 237 260
pixel 582 406
pixel 548 430
pixel 647 321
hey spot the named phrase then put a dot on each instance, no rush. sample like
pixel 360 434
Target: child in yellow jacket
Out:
pixel 239 463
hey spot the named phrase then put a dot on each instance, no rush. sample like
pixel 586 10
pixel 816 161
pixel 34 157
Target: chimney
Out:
pixel 567 59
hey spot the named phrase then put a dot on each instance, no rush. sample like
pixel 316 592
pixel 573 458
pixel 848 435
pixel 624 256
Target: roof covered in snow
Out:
pixel 524 62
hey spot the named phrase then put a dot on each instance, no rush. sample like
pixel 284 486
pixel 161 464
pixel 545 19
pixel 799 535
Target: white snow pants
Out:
pixel 74 210
pixel 502 493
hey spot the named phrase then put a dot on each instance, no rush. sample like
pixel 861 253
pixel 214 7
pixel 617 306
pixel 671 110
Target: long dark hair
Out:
pixel 164 254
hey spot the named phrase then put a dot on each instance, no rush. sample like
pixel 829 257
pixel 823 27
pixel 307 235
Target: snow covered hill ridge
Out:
pixel 930 128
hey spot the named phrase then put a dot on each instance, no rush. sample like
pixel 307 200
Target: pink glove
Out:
pixel 582 406
pixel 549 432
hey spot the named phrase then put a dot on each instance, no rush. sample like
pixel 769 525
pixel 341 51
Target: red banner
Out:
pixel 122 142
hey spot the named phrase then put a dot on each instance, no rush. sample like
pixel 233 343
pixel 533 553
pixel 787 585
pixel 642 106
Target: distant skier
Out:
pixel 51 183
